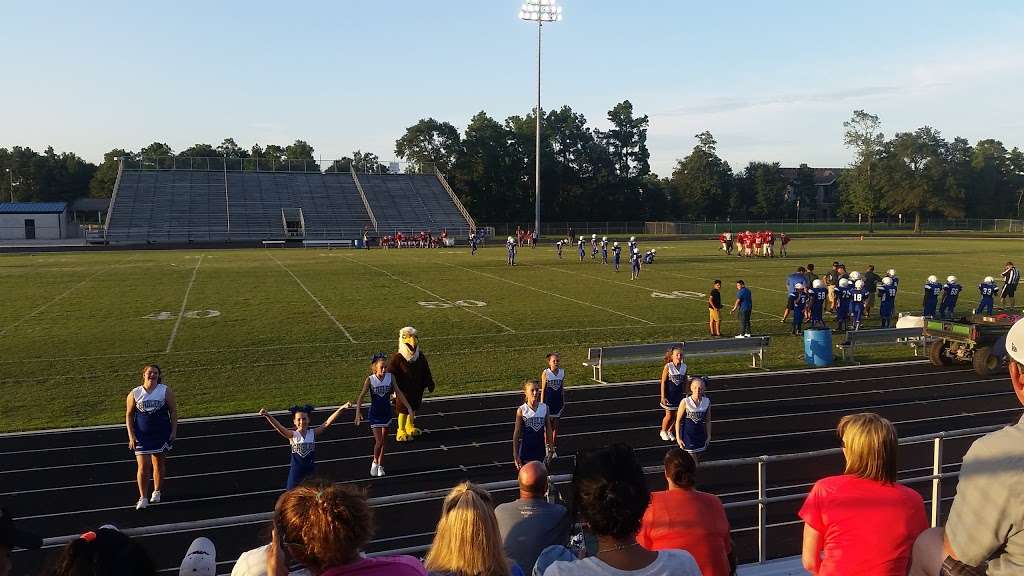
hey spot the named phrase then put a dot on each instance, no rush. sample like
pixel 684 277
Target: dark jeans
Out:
pixel 744 321
pixel 952 567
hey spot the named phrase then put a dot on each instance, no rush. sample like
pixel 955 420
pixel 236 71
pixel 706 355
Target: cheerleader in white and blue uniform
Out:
pixel 530 438
pixel 673 385
pixel 552 395
pixel 381 387
pixel 693 425
pixel 302 440
pixel 152 422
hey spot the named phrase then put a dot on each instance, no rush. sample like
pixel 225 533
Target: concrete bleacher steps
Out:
pixel 409 203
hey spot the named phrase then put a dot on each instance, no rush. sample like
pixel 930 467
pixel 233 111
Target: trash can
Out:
pixel 818 347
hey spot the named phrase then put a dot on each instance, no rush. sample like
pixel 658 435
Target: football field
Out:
pixel 236 330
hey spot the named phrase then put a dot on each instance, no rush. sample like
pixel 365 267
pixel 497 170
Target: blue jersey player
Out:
pixel 593 246
pixel 843 295
pixel 474 241
pixel 987 288
pixel 932 290
pixel 895 279
pixel 604 249
pixel 510 251
pixel 887 298
pixel 580 248
pixel 558 247
pixel 616 255
pixel 800 299
pixel 649 256
pixel 858 298
pixel 819 295
pixel 634 262
pixel 950 292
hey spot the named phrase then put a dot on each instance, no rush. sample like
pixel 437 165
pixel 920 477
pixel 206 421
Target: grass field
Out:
pixel 235 330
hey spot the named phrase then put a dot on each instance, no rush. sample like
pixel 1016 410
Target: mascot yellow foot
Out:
pixel 402 435
pixel 410 427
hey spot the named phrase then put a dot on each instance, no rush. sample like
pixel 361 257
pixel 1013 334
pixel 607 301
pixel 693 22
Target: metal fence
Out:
pixel 671 228
pixel 227 164
pixel 761 502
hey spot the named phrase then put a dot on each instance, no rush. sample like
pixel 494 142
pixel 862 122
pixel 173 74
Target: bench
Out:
pixel 914 337
pixel 597 358
pixel 276 243
pixel 326 244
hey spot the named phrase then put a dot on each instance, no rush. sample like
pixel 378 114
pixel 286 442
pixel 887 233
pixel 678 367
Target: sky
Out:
pixel 773 81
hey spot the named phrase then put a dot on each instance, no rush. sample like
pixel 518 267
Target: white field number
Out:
pixel 680 294
pixel 463 303
pixel 191 314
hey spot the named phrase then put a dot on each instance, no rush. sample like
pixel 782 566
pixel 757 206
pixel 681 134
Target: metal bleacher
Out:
pixel 412 202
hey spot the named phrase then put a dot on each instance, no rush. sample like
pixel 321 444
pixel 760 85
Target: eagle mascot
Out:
pixel 412 376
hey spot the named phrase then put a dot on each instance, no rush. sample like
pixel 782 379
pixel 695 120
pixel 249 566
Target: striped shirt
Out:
pixel 1011 276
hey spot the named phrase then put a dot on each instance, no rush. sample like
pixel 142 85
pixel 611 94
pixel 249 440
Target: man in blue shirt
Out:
pixel 745 304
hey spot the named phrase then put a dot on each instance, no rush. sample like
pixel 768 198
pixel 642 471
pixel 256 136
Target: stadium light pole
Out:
pixel 10 173
pixel 539 11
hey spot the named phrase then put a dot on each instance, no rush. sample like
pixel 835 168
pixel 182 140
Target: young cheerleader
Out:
pixel 530 438
pixel 152 422
pixel 693 424
pixel 552 395
pixel 381 386
pixel 673 377
pixel 302 440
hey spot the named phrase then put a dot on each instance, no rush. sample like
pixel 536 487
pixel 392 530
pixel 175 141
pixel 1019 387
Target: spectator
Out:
pixel 10 538
pixel 323 526
pixel 745 304
pixel 467 541
pixel 871 281
pixel 531 524
pixel 862 522
pixel 684 518
pixel 200 559
pixel 715 308
pixel 610 496
pixel 104 552
pixel 984 522
pixel 809 275
pixel 254 563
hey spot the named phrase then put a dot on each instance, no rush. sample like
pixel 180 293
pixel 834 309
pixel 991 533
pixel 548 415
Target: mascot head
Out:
pixel 408 344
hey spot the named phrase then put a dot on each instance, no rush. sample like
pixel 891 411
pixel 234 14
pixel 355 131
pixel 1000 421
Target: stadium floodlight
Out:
pixel 539 11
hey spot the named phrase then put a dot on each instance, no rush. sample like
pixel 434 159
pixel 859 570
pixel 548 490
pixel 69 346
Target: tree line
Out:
pixel 593 174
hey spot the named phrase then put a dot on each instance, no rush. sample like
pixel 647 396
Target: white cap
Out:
pixel 854 275
pixel 886 280
pixel 1015 342
pixel 843 282
pixel 817 283
pixel 951 279
pixel 200 560
pixel 892 271
pixel 799 286
pixel 933 279
pixel 859 284
pixel 989 279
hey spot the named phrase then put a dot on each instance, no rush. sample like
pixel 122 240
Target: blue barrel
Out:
pixel 818 347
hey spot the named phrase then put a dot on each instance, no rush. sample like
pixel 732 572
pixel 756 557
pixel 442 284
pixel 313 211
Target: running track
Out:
pixel 66 482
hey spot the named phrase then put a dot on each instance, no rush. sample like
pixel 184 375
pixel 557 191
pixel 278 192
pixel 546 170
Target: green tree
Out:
pixel 487 175
pixel 768 186
pixel 805 190
pixel 429 143
pixel 102 183
pixel 860 193
pixel 915 174
pixel 702 181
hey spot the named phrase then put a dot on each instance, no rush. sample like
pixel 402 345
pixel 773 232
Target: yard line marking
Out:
pixel 65 293
pixel 422 289
pixel 315 299
pixel 184 302
pixel 648 322
pixel 603 279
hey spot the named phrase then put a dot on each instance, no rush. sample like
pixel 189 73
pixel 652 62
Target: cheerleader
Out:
pixel 302 440
pixel 552 395
pixel 152 422
pixel 693 423
pixel 673 377
pixel 530 438
pixel 380 385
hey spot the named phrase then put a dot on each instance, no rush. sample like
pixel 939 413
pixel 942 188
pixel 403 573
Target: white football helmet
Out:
pixel 509 239
pixel 989 280
pixel 859 284
pixel 817 284
pixel 843 282
pixel 799 286
pixel 933 279
pixel 632 238
pixel 615 244
pixel 887 280
pixel 951 279
pixel 892 272
pixel 854 275
pixel 593 236
pixel 605 238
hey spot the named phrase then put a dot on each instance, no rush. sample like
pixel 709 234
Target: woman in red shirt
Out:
pixel 683 518
pixel 862 522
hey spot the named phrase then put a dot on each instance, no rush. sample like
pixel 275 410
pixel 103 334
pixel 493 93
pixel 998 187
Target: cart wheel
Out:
pixel 985 362
pixel 937 353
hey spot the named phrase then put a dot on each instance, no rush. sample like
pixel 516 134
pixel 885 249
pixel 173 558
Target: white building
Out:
pixel 33 220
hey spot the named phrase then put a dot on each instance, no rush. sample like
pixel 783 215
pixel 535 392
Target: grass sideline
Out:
pixel 269 328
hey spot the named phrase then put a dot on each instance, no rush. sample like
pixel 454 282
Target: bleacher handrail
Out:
pixel 762 500
pixel 113 194
pixel 366 202
pixel 455 199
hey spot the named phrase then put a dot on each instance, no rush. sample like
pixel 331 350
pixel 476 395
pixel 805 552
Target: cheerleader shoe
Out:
pixel 142 503
pixel 671 436
pixel 373 469
pixel 155 498
pixel 380 471
pixel 664 436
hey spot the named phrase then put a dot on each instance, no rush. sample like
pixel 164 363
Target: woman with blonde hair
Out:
pixel 864 521
pixel 467 541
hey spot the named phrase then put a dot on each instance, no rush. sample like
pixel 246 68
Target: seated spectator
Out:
pixel 610 496
pixel 862 522
pixel 531 524
pixel 104 552
pixel 983 532
pixel 254 563
pixel 323 526
pixel 682 518
pixel 467 541
pixel 10 538
pixel 200 559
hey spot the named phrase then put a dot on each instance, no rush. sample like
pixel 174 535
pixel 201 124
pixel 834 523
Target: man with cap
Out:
pixel 10 538
pixel 200 559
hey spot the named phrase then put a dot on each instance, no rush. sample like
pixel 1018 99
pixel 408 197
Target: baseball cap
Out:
pixel 1015 342
pixel 200 560
pixel 14 538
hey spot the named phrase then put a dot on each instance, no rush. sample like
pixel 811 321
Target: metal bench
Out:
pixel 326 244
pixel 275 243
pixel 597 358
pixel 913 337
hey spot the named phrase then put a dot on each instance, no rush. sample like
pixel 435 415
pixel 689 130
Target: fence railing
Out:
pixel 761 502
pixel 670 228
pixel 229 164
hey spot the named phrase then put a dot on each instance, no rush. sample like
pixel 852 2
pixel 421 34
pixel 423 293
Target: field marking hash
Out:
pixel 184 302
pixel 315 299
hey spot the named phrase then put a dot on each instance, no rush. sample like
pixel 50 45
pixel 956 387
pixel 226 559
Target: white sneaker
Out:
pixel 142 503
pixel 373 469
pixel 155 498
pixel 664 436
pixel 739 336
pixel 671 436
pixel 380 471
